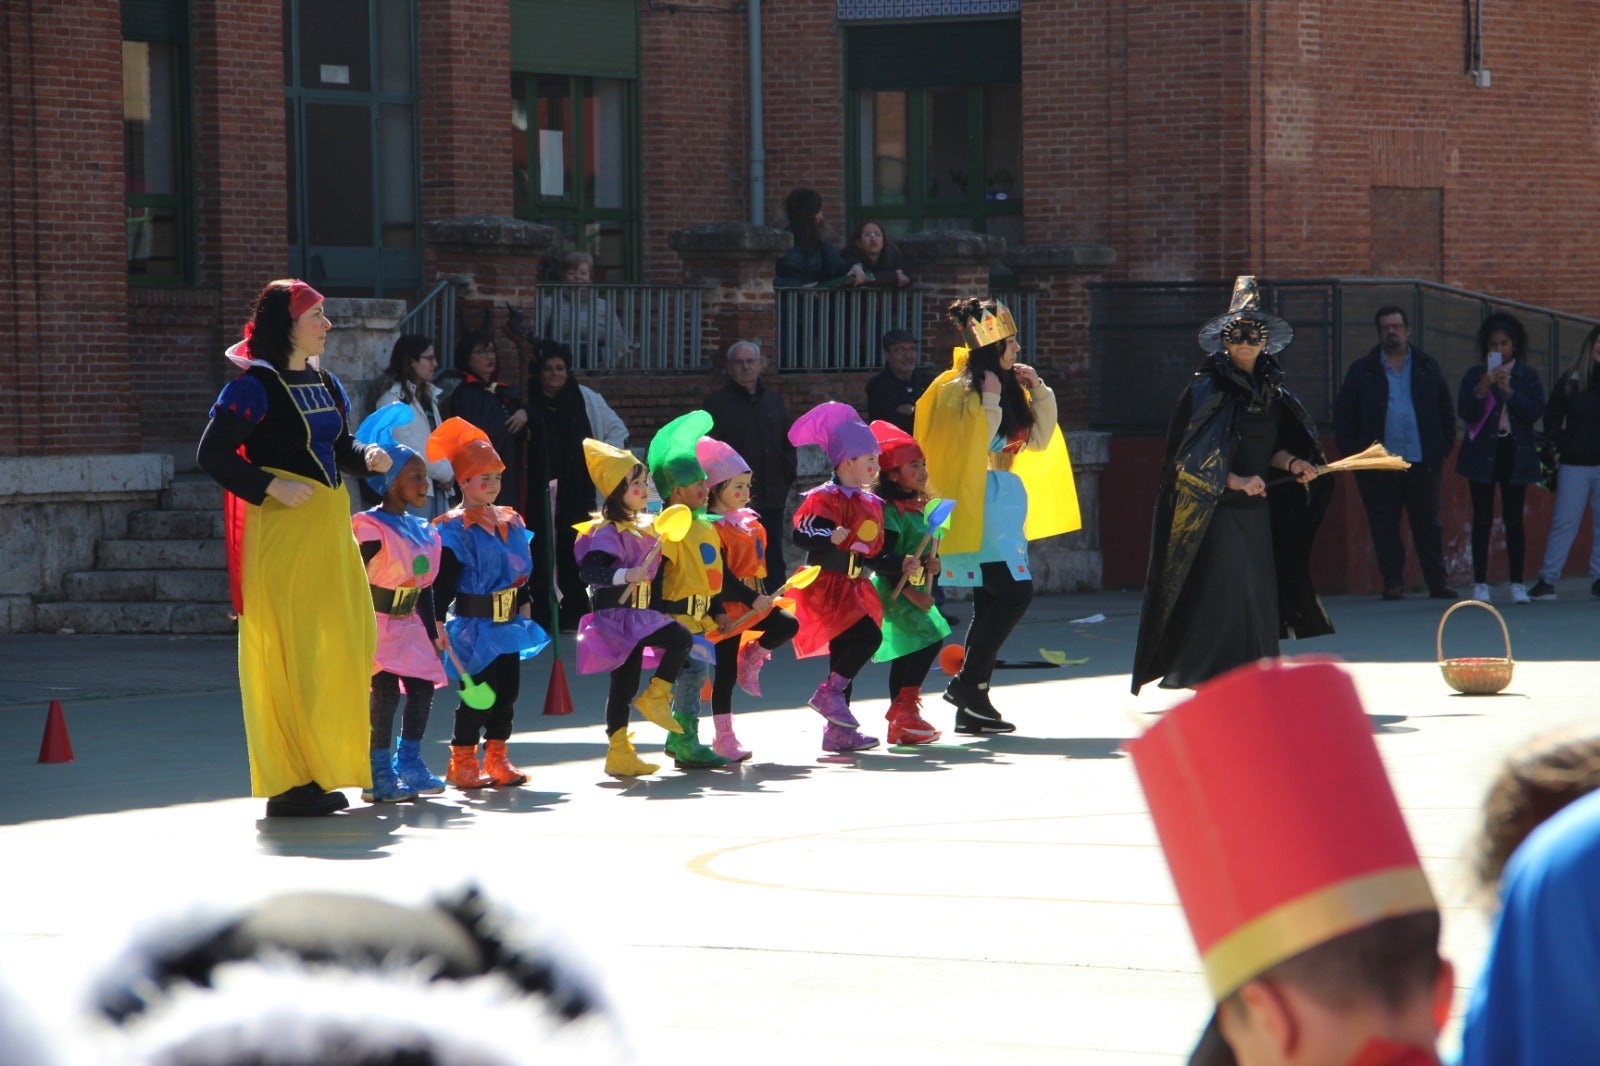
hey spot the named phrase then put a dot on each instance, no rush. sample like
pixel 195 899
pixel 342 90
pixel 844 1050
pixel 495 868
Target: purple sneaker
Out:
pixel 829 702
pixel 752 657
pixel 840 739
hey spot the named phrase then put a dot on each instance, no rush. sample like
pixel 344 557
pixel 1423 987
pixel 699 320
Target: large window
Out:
pixel 935 124
pixel 155 142
pixel 572 164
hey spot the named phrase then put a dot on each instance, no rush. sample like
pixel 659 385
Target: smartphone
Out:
pixel 1495 359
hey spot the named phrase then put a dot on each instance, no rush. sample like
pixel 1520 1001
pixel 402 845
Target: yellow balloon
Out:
pixel 868 530
pixel 673 522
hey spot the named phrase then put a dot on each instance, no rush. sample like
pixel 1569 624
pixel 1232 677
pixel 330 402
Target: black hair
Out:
pixel 890 489
pixel 801 207
pixel 408 348
pixel 716 489
pixel 1508 324
pixel 1390 309
pixel 1388 962
pixel 614 509
pixel 464 347
pixel 1015 411
pixel 271 324
pixel 545 349
pixel 1581 374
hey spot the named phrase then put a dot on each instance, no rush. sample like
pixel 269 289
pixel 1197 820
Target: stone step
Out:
pixel 159 555
pixel 175 525
pixel 192 494
pixel 167 586
pixel 86 617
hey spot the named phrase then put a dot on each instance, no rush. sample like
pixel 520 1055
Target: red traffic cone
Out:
pixel 56 746
pixel 557 697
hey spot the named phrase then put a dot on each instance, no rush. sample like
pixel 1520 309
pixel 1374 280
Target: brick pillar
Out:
pixel 1059 275
pixel 497 261
pixel 949 265
pixel 735 261
pixel 464 104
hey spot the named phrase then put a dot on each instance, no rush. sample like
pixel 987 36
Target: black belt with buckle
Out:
pixel 635 596
pixel 693 606
pixel 839 561
pixel 396 603
pixel 499 606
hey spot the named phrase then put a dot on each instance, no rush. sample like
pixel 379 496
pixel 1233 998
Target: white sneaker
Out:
pixel 1519 593
pixel 1480 593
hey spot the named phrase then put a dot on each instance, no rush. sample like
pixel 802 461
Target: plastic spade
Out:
pixel 671 524
pixel 475 694
pixel 937 514
pixel 798 580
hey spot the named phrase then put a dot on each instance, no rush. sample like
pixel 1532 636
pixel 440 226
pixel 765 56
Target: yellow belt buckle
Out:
pixel 404 602
pixel 504 601
pixel 699 605
pixel 853 568
pixel 641 595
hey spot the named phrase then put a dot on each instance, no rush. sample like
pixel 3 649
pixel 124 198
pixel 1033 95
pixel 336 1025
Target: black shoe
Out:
pixel 306 801
pixel 1394 592
pixel 973 726
pixel 1542 591
pixel 1443 592
pixel 975 715
pixel 949 618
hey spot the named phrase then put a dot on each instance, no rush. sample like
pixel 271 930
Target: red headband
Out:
pixel 302 298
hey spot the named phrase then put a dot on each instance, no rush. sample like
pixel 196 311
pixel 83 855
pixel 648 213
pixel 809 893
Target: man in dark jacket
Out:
pixel 1397 394
pixel 751 419
pixel 892 394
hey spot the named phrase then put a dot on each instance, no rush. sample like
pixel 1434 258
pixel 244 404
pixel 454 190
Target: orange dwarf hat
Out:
pixel 1280 827
pixel 466 446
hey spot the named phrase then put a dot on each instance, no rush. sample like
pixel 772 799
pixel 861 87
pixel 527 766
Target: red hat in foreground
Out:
pixel 1279 824
pixel 898 446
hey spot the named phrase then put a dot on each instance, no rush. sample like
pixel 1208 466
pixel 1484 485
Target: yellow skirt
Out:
pixel 306 642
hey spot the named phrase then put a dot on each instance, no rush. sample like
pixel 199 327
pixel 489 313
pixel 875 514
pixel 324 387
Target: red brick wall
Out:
pixel 66 387
pixel 803 83
pixel 465 101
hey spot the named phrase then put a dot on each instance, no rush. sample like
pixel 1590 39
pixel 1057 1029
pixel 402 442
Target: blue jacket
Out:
pixel 1362 409
pixel 1475 460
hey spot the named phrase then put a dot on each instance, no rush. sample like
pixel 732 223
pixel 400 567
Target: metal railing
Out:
pixel 841 329
pixel 624 327
pixel 1024 305
pixel 1143 349
pixel 435 316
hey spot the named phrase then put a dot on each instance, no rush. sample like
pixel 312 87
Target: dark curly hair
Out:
pixel 465 345
pixel 271 324
pixel 1508 324
pixel 1015 411
pixel 1535 782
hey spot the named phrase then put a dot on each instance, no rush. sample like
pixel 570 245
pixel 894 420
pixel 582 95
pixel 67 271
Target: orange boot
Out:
pixel 464 772
pixel 498 767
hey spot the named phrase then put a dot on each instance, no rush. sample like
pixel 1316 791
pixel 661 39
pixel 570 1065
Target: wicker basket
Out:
pixel 1475 677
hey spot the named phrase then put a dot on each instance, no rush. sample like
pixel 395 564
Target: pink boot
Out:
pixel 726 744
pixel 752 657
pixel 829 702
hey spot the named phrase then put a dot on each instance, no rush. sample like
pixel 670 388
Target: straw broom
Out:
pixel 1375 457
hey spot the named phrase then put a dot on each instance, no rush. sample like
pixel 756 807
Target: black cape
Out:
pixel 1201 439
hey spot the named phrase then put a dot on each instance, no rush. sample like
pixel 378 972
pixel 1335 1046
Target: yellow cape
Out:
pixel 955 438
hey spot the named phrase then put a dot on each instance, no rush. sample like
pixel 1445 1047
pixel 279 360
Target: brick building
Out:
pixel 1173 142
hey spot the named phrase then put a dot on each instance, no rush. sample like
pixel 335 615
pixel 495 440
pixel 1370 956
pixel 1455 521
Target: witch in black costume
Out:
pixel 1230 551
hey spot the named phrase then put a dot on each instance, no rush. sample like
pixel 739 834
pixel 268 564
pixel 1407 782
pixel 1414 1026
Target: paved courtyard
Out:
pixel 997 900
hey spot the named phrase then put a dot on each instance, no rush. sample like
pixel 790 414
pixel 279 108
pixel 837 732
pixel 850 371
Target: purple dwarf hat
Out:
pixel 719 459
pixel 836 429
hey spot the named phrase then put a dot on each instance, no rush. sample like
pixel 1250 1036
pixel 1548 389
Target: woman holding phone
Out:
pixel 1500 399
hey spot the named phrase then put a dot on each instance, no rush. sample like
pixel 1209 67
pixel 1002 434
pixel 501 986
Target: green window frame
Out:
pixel 158 142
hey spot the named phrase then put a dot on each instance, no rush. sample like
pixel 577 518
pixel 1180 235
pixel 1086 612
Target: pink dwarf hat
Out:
pixel 836 429
pixel 719 460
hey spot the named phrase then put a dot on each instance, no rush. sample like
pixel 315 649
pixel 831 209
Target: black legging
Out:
pixel 851 650
pixel 674 642
pixel 997 606
pixel 504 675
pixel 911 669
pixel 386 697
pixel 1511 500
pixel 777 629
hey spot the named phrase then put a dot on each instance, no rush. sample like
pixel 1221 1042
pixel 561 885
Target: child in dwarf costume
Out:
pixel 913 628
pixel 740 655
pixel 401 552
pixel 616 560
pixel 483 575
pixel 688 587
pixel 1315 923
pixel 840 525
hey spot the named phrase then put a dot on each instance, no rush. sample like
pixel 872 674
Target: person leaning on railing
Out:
pixel 586 324
pixel 813 260
pixel 873 259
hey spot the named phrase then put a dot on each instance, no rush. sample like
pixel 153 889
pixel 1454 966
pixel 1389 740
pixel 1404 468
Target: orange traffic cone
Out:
pixel 56 746
pixel 557 697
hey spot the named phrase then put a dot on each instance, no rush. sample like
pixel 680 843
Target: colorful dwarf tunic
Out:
pixel 608 634
pixel 689 583
pixel 744 556
pixel 407 558
pixel 491 545
pixel 906 627
pixel 841 595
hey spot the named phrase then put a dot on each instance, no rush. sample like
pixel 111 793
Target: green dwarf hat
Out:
pixel 672 456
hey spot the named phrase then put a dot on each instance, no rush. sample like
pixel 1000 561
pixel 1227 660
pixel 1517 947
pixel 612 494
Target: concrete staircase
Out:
pixel 167 575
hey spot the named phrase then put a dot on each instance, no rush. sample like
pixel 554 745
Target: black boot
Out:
pixel 975 715
pixel 306 801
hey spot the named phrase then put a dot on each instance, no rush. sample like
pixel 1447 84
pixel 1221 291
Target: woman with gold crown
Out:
pixel 1230 556
pixel 988 428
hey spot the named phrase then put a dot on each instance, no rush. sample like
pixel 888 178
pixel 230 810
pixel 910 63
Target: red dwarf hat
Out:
pixel 898 446
pixel 1280 827
pixel 466 446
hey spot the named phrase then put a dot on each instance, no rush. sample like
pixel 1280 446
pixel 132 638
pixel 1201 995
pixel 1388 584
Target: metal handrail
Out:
pixel 841 329
pixel 435 317
pixel 617 327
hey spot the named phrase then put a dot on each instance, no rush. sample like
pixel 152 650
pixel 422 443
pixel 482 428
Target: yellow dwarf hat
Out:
pixel 609 466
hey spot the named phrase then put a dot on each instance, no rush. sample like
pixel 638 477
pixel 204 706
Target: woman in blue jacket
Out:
pixel 1500 399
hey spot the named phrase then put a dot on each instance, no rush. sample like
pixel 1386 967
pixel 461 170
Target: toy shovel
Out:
pixel 937 515
pixel 798 580
pixel 671 524
pixel 475 694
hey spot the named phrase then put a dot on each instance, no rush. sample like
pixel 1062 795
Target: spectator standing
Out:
pixel 812 260
pixel 409 380
pixel 893 392
pixel 1572 420
pixel 873 259
pixel 491 405
pixel 584 322
pixel 1397 394
pixel 751 419
pixel 1500 399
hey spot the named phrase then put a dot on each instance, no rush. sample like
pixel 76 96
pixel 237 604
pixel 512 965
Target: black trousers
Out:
pixel 504 675
pixel 997 606
pixel 851 650
pixel 911 670
pixel 674 642
pixel 1511 501
pixel 778 531
pixel 777 629
pixel 1385 494
pixel 386 698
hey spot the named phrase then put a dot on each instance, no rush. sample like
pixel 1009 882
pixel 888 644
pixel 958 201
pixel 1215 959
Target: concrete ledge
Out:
pixel 742 240
pixel 1063 258
pixel 82 477
pixel 947 246
pixel 490 233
